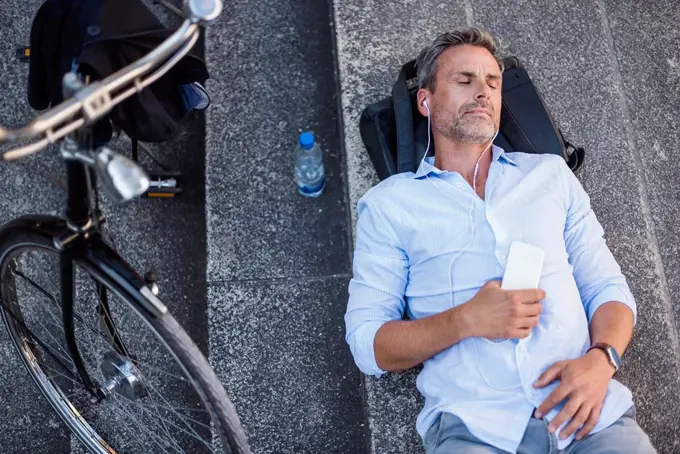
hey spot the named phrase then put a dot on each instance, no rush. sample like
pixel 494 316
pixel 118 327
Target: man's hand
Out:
pixel 583 382
pixel 495 313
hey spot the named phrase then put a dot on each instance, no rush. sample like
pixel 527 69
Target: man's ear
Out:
pixel 423 105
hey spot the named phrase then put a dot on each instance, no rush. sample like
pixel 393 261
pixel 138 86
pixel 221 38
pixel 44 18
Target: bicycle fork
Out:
pixel 67 277
pixel 105 324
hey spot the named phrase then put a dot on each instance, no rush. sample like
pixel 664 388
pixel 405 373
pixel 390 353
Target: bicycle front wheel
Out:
pixel 158 392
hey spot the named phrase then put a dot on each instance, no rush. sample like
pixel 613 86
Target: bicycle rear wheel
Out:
pixel 161 394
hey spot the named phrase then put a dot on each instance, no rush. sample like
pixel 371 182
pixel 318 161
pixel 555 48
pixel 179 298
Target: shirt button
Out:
pixel 459 184
pixel 501 256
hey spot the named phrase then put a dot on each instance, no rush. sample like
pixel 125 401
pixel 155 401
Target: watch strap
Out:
pixel 612 355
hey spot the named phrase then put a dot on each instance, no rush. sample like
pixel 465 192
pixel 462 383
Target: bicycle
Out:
pixel 87 355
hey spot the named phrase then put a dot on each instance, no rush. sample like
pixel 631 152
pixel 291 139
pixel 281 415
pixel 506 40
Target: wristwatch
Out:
pixel 612 356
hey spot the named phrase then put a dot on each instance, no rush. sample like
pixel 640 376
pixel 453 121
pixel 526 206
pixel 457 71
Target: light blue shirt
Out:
pixel 411 226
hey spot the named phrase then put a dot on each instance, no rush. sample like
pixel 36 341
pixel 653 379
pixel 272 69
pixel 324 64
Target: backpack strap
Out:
pixel 403 115
pixel 572 154
pixel 575 156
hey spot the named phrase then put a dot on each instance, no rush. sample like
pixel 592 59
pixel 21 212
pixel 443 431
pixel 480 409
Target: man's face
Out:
pixel 466 102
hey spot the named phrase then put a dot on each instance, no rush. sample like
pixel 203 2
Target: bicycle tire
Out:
pixel 38 233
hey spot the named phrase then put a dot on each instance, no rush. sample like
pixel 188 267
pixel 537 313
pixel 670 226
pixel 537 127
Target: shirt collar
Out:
pixel 427 167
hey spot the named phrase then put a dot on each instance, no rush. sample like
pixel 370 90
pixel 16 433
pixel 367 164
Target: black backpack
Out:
pixel 101 37
pixel 395 133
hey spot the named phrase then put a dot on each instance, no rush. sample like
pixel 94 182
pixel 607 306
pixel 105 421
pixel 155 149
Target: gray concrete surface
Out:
pixel 278 345
pixel 650 77
pixel 278 263
pixel 578 54
pixel 272 78
pixel 258 274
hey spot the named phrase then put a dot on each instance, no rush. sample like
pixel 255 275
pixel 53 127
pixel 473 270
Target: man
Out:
pixel 526 371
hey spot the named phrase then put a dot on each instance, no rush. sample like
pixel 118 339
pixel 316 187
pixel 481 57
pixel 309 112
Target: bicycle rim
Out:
pixel 153 404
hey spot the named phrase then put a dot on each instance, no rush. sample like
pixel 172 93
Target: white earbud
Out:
pixel 427 107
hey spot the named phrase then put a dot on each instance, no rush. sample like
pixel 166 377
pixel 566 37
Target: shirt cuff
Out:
pixel 361 343
pixel 612 294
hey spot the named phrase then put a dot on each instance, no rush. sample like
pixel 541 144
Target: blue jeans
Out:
pixel 448 435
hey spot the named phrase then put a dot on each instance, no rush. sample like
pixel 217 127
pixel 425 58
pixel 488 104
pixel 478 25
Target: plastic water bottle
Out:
pixel 309 171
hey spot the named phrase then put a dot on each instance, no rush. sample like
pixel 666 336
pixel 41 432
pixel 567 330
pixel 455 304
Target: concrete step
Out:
pixel 278 263
pixel 595 70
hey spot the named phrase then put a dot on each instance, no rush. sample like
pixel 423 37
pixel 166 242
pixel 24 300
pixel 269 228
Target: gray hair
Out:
pixel 426 63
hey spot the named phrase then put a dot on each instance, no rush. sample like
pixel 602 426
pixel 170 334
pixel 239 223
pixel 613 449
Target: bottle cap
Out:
pixel 306 140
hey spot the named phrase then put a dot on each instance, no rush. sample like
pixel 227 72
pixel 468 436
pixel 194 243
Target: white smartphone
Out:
pixel 523 267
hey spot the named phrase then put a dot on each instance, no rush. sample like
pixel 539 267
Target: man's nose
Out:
pixel 483 92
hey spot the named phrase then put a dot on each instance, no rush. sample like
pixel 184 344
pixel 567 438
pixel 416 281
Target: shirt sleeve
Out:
pixel 376 290
pixel 597 274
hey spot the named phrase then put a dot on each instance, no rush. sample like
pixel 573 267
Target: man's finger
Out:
pixel 568 412
pixel 549 375
pixel 590 423
pixel 528 322
pixel 530 309
pixel 529 296
pixel 534 309
pixel 492 284
pixel 577 421
pixel 556 396
pixel 522 333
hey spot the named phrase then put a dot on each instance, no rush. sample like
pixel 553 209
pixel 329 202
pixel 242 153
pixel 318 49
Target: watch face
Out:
pixel 614 356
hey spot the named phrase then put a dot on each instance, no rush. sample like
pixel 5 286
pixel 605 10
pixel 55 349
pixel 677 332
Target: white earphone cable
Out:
pixel 472 237
pixel 472 197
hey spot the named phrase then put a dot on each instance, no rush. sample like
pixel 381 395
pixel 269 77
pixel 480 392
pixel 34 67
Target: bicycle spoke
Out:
pixel 171 409
pixel 195 434
pixel 33 337
pixel 130 428
pixel 58 374
pixel 88 349
pixel 160 419
pixel 37 287
pixel 186 418
pixel 115 334
pixel 175 407
pixel 168 374
pixel 50 296
pixel 61 350
pixel 64 355
pixel 149 433
pixel 56 301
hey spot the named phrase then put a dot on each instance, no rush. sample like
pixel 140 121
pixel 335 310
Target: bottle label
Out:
pixel 312 189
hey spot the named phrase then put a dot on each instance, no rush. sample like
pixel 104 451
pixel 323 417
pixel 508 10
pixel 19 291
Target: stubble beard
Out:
pixel 463 128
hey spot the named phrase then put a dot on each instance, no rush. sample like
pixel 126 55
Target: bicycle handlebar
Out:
pixel 94 100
